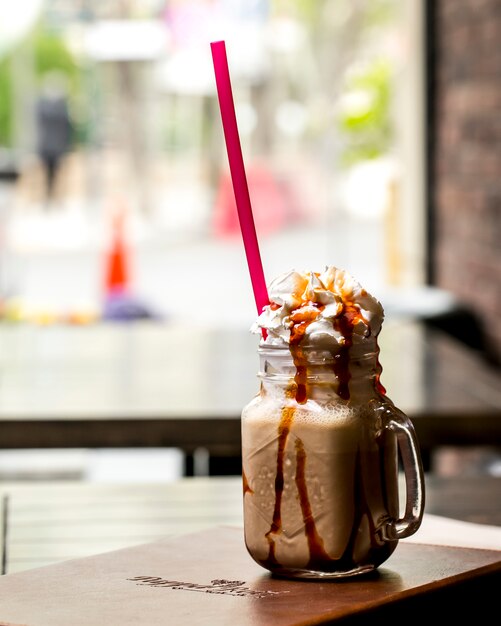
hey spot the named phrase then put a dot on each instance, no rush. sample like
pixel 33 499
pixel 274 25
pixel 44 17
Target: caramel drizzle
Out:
pixel 300 322
pixel 315 542
pixel 276 525
pixel 344 324
pixel 377 380
pixel 245 484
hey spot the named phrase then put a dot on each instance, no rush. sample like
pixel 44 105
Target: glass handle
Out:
pixel 414 476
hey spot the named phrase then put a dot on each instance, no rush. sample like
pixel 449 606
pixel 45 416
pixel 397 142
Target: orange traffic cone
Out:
pixel 120 304
pixel 117 262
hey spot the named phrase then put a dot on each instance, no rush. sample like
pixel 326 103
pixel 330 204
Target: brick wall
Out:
pixel 466 154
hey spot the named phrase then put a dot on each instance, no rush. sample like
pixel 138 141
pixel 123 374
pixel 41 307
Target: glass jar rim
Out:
pixel 367 350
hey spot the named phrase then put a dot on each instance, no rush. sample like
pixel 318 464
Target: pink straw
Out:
pixel 238 176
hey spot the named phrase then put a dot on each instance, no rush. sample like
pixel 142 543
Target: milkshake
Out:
pixel 320 440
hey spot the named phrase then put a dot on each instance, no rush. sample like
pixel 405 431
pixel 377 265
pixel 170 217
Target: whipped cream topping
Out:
pixel 316 309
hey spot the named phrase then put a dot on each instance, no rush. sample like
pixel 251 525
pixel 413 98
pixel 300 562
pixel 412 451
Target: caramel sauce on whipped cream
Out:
pixel 326 311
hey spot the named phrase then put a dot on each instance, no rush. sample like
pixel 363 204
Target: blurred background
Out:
pixel 370 136
pixel 110 107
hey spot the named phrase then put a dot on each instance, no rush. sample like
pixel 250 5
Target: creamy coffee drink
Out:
pixel 319 441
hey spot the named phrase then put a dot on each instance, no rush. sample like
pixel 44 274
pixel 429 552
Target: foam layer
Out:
pixel 266 409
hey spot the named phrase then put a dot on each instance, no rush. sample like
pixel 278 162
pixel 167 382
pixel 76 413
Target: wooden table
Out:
pixel 159 384
pixel 47 523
